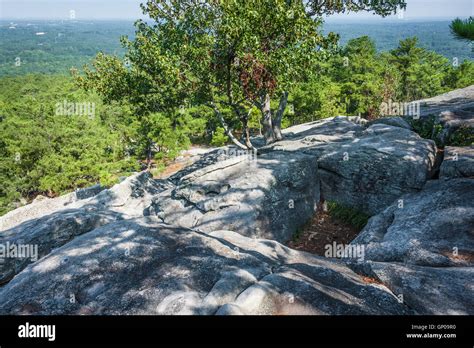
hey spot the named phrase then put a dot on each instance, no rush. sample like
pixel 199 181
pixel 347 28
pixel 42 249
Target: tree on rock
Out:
pixel 379 7
pixel 234 56
pixel 239 54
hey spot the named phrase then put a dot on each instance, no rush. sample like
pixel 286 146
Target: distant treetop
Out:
pixel 463 29
pixel 380 7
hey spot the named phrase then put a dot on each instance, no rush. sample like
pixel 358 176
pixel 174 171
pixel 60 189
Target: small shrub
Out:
pixel 427 128
pixel 219 138
pixel 297 234
pixel 347 215
pixel 464 136
pixel 160 168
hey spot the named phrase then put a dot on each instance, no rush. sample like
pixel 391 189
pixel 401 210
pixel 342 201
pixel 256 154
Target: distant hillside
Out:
pixel 55 46
pixel 433 35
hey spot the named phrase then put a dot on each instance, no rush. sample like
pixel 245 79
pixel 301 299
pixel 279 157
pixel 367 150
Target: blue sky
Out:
pixel 129 9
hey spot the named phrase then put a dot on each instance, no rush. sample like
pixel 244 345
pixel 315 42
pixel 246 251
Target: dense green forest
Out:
pixel 130 109
pixel 74 43
pixel 53 47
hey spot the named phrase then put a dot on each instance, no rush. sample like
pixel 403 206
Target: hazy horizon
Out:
pixel 424 10
pixel 326 19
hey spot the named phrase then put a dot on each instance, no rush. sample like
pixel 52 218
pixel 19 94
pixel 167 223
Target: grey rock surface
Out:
pixel 149 246
pixel 458 162
pixel 369 172
pixel 268 196
pixel 89 192
pixel 395 121
pixel 364 169
pixel 430 290
pixel 129 197
pixel 35 210
pixel 452 111
pixel 422 248
pixel 39 237
pixel 273 194
pixel 62 223
pixel 139 266
pixel 434 227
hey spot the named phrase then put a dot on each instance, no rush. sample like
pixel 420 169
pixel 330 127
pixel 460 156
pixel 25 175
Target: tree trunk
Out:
pixel 279 116
pixel 149 154
pixel 227 130
pixel 266 121
pixel 245 125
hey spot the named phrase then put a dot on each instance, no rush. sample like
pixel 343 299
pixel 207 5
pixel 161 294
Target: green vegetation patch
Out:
pixel 347 215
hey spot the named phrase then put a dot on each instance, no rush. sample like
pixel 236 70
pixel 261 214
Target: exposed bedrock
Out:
pixel 458 162
pixel 207 239
pixel 423 248
pixel 267 196
pixel 38 229
pixel 143 267
pixel 273 194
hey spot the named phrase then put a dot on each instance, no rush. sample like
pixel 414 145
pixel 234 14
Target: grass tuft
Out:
pixel 347 215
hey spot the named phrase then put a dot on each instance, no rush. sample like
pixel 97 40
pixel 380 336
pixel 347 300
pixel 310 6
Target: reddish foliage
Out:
pixel 255 77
